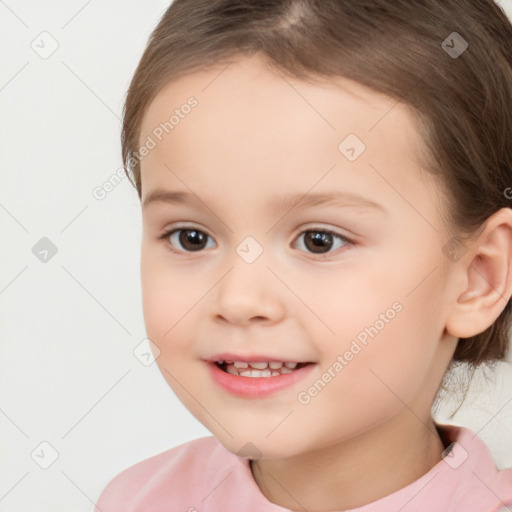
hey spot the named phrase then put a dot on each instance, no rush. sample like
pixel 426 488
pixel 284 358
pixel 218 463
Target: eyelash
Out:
pixel 315 229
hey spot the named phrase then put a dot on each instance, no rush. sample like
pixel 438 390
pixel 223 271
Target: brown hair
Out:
pixel 400 48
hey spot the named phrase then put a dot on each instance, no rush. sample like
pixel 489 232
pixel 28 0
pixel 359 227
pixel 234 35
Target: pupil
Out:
pixel 192 239
pixel 318 240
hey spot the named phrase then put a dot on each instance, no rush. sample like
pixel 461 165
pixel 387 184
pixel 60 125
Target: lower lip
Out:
pixel 256 387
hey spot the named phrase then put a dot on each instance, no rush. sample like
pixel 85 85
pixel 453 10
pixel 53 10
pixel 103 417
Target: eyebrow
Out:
pixel 282 202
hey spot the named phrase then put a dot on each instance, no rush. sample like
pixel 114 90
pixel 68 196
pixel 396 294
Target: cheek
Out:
pixel 372 381
pixel 348 299
pixel 387 320
pixel 168 307
pixel 374 285
pixel 166 298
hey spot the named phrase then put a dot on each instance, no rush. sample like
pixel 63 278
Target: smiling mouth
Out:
pixel 259 369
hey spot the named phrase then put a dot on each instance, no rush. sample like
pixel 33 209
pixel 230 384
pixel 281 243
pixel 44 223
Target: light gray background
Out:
pixel 69 326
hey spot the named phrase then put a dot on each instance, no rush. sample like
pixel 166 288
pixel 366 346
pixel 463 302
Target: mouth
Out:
pixel 258 379
pixel 259 368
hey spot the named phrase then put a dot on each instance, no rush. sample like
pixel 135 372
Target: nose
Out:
pixel 249 293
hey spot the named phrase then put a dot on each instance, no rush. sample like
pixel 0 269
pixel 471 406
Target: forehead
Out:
pixel 250 81
pixel 253 125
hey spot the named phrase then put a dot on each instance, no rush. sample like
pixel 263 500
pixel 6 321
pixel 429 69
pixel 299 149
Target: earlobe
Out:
pixel 488 276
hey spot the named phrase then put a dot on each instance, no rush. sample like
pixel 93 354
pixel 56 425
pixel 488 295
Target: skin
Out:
pixel 256 135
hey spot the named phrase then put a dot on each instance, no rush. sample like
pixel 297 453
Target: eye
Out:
pixel 321 241
pixel 187 239
pixel 190 239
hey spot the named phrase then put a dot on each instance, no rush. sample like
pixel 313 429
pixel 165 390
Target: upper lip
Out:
pixel 251 358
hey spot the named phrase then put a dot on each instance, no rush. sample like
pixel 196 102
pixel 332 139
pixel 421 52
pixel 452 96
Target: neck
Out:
pixel 354 472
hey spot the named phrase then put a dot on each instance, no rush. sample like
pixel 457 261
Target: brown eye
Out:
pixel 321 241
pixel 187 240
pixel 316 241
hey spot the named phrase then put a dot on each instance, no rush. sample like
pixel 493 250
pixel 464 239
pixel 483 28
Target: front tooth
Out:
pixel 290 365
pixel 259 366
pixel 256 373
pixel 240 364
pixel 246 374
pixel 274 365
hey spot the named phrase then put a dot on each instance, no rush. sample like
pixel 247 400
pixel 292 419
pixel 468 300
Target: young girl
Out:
pixel 326 204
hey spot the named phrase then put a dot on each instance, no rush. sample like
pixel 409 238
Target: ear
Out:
pixel 486 271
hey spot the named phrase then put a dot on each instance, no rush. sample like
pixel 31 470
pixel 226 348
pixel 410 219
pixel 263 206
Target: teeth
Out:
pixel 259 369
pixel 273 365
pixel 259 373
pixel 259 366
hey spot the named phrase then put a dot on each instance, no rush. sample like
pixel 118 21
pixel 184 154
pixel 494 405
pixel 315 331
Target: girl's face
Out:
pixel 303 232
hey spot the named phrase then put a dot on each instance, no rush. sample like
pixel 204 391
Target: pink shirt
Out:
pixel 203 476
